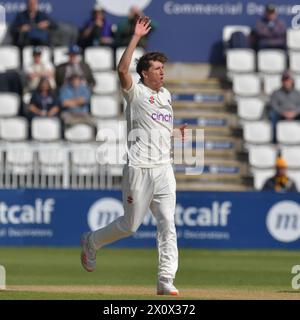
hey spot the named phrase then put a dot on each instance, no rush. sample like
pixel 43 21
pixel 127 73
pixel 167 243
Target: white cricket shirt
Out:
pixel 149 116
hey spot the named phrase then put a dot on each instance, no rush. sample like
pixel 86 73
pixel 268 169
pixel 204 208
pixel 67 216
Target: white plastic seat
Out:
pixel 80 133
pixel 138 52
pixel 262 156
pixel 99 58
pixel 45 129
pixel 288 132
pixel 14 129
pixel 291 154
pixel 9 58
pixel 297 81
pixel 3 30
pixel 294 58
pixel 271 61
pixel 230 29
pixel 9 104
pixel 257 132
pixel 106 83
pixel 104 106
pixel 261 176
pixel 246 84
pixel 250 108
pixel 293 39
pixel 240 60
pixel 111 130
pixel 60 55
pixel 27 55
pixel 271 82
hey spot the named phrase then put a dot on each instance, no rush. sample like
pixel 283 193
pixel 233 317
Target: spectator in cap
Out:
pixel 270 30
pixel 32 26
pixel 39 69
pixel 74 65
pixel 280 182
pixel 75 99
pixel 97 30
pixel 284 103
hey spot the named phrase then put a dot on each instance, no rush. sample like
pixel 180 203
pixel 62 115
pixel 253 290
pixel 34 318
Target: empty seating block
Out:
pixel 293 39
pixel 46 129
pixel 262 156
pixel 14 129
pixel 99 58
pixel 80 133
pixel 9 104
pixel 271 61
pixel 9 58
pixel 246 84
pixel 106 83
pixel 104 106
pixel 250 108
pixel 288 132
pixel 240 60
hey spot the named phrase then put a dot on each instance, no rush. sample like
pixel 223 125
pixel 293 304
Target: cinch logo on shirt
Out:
pixel 162 117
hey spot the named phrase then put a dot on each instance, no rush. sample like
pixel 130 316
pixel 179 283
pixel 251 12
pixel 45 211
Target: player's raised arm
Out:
pixel 142 27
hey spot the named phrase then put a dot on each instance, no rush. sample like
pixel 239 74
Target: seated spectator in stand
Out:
pixel 270 30
pixel 31 27
pixel 285 102
pixel 74 65
pixel 39 69
pixel 75 99
pixel 44 102
pixel 97 30
pixel 280 182
pixel 125 29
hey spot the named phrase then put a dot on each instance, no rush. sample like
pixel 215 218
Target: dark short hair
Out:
pixel 143 63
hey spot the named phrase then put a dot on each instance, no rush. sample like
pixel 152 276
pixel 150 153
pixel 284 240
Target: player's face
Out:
pixel 154 76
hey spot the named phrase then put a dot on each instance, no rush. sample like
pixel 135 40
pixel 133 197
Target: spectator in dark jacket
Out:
pixel 31 27
pixel 97 30
pixel 74 65
pixel 44 102
pixel 270 30
pixel 280 182
pixel 284 102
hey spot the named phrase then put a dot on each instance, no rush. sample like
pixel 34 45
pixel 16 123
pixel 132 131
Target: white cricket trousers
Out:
pixel 144 188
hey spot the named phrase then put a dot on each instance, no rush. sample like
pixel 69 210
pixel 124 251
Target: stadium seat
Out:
pixel 250 108
pixel 104 106
pixel 271 61
pixel 230 29
pixel 106 83
pixel 111 130
pixel 60 55
pixel 80 133
pixel 27 55
pixel 52 163
pixel 246 84
pixel 262 156
pixel 271 82
pixel 19 167
pixel 293 39
pixel 292 156
pixel 138 52
pixel 240 60
pixel 257 132
pixel 10 104
pixel 45 129
pixel 14 129
pixel 99 58
pixel 9 58
pixel 260 176
pixel 3 31
pixel 288 132
pixel 297 81
pixel 294 58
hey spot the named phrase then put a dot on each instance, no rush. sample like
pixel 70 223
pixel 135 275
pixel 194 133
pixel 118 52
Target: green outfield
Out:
pixel 50 273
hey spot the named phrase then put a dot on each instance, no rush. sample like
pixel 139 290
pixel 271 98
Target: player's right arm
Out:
pixel 142 27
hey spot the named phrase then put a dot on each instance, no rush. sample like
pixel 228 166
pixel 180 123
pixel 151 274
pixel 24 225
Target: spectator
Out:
pixel 97 30
pixel 280 182
pixel 284 102
pixel 39 69
pixel 270 31
pixel 44 102
pixel 31 26
pixel 126 28
pixel 74 65
pixel 75 98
